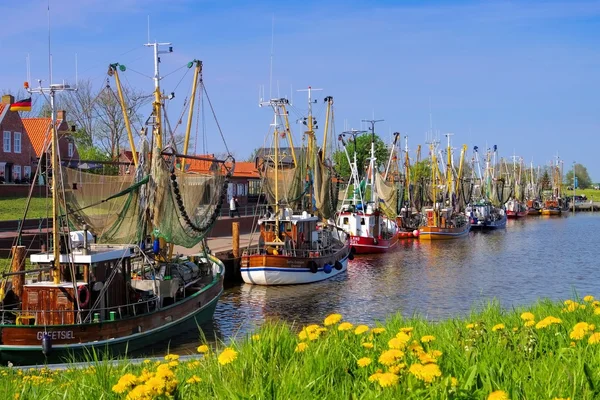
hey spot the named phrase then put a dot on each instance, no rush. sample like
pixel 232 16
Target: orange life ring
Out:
pixel 80 289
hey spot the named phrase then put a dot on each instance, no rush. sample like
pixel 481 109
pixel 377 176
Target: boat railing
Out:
pixel 23 317
pixel 292 252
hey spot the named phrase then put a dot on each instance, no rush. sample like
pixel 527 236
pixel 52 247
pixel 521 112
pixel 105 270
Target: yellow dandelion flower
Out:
pixel 527 316
pixel 345 326
pixel 427 338
pixel 597 311
pixel 498 395
pixel 147 361
pixel 582 306
pixel 425 358
pixel 140 392
pixel 363 362
pixel 202 349
pixel 595 303
pixel 367 345
pixel 470 326
pixel 17 396
pixel 171 357
pixel 415 347
pixel 301 347
pixel 375 377
pixel 498 327
pixel 403 337
pixel 228 355
pixel 453 382
pixel 407 329
pixel 255 337
pixel 515 329
pixel 572 344
pixel 125 383
pixel 395 343
pixel 588 298
pixel 579 331
pixel 360 329
pixel 387 379
pixel 395 369
pixel 389 357
pixel 378 331
pixel 314 328
pixel 529 323
pixel 594 338
pixel 332 319
pixel 547 322
pixel 426 373
pixel 193 379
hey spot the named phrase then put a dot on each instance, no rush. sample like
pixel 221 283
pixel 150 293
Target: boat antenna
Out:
pixel 49 48
pixel 271 58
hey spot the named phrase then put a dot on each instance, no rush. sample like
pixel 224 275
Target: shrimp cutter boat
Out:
pixel 533 194
pixel 111 282
pixel 486 210
pixel 516 206
pixel 444 218
pixel 410 218
pixel 555 204
pixel 370 224
pixel 297 239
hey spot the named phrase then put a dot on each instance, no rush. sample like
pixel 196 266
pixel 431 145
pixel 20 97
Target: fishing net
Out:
pixel 108 205
pixel 388 196
pixel 184 206
pixel 325 188
pixel 291 185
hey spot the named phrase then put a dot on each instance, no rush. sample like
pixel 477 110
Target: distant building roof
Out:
pixel 285 153
pixel 38 130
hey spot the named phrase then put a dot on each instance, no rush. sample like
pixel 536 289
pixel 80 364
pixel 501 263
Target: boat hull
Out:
pixel 482 226
pixel 516 214
pixel 435 233
pixel 534 212
pixel 550 211
pixel 21 344
pixel 369 245
pixel 268 273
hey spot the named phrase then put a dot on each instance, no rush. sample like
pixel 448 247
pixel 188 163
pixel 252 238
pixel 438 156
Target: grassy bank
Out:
pixel 548 351
pixel 13 209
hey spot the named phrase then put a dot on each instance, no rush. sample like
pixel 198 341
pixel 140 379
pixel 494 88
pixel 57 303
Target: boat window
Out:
pixel 362 221
pixel 288 226
pixel 345 222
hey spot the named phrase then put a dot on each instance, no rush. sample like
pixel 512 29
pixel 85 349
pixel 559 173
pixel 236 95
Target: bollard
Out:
pixel 235 233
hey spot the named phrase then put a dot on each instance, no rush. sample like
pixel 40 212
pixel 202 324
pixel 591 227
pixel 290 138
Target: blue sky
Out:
pixel 522 75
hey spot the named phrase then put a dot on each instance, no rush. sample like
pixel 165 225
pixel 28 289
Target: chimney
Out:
pixel 61 115
pixel 8 99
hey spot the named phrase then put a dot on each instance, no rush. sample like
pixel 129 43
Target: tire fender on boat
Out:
pixel 314 268
pixel 351 256
pixel 46 343
pixel 338 265
pixel 83 289
pixel 327 268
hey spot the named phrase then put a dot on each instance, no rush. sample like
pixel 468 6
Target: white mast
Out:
pixel 373 159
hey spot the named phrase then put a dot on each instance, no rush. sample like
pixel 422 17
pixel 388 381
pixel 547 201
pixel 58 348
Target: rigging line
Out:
pixel 142 74
pixel 182 78
pixel 172 72
pixel 200 97
pixel 135 114
pixel 204 139
pixel 215 117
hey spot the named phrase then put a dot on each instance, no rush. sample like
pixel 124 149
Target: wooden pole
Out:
pixel 18 265
pixel 235 232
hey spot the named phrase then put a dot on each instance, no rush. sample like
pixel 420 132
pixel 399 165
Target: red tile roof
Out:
pixel 37 130
pixel 244 169
pixel 2 105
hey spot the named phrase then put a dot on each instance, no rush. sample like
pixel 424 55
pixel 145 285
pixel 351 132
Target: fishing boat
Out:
pixel 486 210
pixel 533 193
pixel 554 204
pixel 298 241
pixel 410 218
pixel 444 217
pixel 516 207
pixel 369 223
pixel 110 282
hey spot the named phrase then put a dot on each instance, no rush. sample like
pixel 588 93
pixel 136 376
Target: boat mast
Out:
pixel 55 168
pixel 157 105
pixel 328 115
pixel 407 172
pixel 113 70
pixel 449 170
pixel 372 162
pixel 188 127
pixel 276 160
pixel 309 122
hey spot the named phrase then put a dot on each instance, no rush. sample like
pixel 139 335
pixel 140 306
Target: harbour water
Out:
pixel 539 257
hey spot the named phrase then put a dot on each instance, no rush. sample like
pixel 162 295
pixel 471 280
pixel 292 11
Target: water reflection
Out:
pixel 532 258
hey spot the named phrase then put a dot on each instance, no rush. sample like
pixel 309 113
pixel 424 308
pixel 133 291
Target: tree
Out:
pixel 583 178
pixel 363 152
pixel 253 154
pixel 420 171
pixel 545 183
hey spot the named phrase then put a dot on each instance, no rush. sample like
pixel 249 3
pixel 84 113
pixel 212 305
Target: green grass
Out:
pixel 13 209
pixel 526 362
pixel 591 194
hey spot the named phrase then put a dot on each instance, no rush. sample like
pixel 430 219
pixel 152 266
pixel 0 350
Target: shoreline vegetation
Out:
pixel 548 351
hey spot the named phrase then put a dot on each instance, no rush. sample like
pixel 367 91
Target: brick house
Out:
pixel 17 154
pixel 38 131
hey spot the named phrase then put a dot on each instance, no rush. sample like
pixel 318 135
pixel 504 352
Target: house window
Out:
pixel 27 172
pixel 241 189
pixel 71 150
pixel 6 142
pixel 17 173
pixel 17 142
pixel 254 187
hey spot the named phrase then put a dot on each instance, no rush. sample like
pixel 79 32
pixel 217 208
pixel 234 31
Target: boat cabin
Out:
pixel 444 218
pixel 295 231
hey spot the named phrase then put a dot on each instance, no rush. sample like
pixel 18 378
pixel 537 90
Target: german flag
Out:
pixel 21 105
